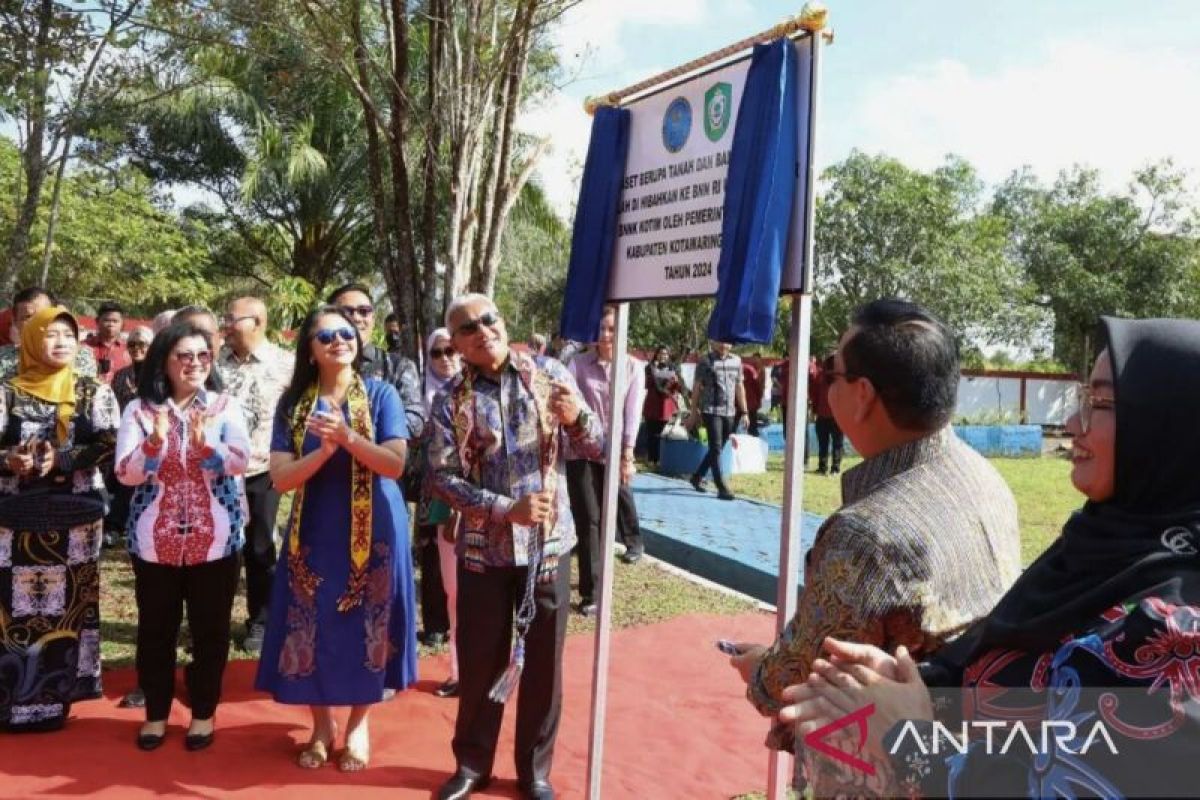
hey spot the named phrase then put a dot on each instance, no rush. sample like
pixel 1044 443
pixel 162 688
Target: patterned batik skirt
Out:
pixel 49 607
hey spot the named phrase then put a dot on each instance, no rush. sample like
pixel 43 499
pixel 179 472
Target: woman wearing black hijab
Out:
pixel 1102 632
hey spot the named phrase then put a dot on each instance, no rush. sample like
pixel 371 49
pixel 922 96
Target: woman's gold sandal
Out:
pixel 350 760
pixel 314 755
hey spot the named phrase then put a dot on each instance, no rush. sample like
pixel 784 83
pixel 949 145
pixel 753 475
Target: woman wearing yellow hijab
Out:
pixel 56 430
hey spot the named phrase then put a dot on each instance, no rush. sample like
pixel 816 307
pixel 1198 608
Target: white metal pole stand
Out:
pixel 780 765
pixel 618 385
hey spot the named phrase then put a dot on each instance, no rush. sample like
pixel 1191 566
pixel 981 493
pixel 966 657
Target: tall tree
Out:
pixel 1089 252
pixel 884 229
pixel 54 56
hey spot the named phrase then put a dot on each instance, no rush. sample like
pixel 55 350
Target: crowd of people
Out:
pixel 182 439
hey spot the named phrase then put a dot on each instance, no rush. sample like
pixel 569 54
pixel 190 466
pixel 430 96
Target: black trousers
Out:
pixel 829 434
pixel 162 592
pixel 434 616
pixel 486 604
pixel 585 486
pixel 719 429
pixel 260 553
pixel 654 429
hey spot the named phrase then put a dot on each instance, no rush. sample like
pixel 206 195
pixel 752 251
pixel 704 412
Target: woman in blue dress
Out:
pixel 341 628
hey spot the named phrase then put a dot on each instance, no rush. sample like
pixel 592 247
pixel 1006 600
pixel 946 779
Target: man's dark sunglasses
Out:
pixel 326 335
pixel 438 352
pixel 362 311
pixel 487 318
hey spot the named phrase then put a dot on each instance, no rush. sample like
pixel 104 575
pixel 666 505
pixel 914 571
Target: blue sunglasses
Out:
pixel 326 335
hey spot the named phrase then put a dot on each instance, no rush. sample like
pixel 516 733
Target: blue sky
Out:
pixel 1111 84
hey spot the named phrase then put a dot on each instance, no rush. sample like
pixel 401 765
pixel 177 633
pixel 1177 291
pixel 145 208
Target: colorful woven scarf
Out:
pixel 303 580
pixel 464 419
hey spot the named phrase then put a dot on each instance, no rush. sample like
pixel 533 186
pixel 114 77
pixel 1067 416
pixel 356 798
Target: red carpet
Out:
pixel 678 727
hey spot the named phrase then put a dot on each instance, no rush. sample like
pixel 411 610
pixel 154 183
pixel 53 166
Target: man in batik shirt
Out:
pixel 256 371
pixel 496 452
pixel 926 540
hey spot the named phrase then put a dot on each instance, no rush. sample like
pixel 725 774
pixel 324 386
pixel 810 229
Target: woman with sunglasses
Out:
pixel 182 445
pixel 1102 629
pixel 341 627
pixel 57 428
pixel 436 531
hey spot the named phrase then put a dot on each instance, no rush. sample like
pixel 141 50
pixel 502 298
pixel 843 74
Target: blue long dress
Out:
pixel 315 654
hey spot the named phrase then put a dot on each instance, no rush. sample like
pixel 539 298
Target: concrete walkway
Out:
pixel 734 543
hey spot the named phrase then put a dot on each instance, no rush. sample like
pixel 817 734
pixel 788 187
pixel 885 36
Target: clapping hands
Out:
pixel 331 428
pixel 852 677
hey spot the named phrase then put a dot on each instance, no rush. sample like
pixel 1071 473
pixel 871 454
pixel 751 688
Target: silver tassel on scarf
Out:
pixel 508 681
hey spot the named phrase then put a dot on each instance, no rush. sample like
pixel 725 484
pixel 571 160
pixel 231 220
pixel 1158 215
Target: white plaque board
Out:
pixel 669 229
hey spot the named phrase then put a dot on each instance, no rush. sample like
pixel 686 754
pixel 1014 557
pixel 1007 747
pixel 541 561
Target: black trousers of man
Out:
pixel 829 436
pixel 487 601
pixel 654 429
pixel 585 486
pixel 162 592
pixel 435 618
pixel 719 428
pixel 260 553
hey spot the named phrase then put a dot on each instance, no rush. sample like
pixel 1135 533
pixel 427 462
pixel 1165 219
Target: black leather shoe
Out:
pixel 461 785
pixel 538 790
pixel 697 483
pixel 150 741
pixel 587 608
pixel 726 496
pixel 198 741
pixel 447 689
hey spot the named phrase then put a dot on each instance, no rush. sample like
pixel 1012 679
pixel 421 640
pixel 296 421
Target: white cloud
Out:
pixel 591 45
pixel 1106 106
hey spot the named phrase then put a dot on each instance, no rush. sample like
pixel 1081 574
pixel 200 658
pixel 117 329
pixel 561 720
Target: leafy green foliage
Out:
pixel 1087 252
pixel 114 243
pixel 886 230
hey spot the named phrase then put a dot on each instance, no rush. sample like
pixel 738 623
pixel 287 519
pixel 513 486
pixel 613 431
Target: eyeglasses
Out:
pixel 487 318
pixel 188 358
pixel 1089 403
pixel 362 311
pixel 228 321
pixel 441 352
pixel 326 335
pixel 137 343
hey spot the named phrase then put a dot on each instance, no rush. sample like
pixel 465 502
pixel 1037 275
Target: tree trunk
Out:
pixel 433 145
pixel 371 124
pixel 493 215
pixel 406 291
pixel 115 22
pixel 32 159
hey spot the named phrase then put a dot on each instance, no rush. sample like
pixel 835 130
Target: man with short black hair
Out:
pixel 926 540
pixel 355 302
pixel 718 398
pixel 25 304
pixel 106 343
pixel 393 332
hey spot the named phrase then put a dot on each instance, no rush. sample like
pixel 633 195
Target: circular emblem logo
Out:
pixel 677 124
pixel 718 107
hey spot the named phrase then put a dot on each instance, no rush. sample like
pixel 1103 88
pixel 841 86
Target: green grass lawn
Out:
pixel 1042 486
pixel 645 594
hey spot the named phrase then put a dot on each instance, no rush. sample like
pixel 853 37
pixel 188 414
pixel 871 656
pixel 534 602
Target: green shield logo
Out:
pixel 718 107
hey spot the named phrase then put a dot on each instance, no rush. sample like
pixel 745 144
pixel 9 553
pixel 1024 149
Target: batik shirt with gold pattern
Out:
pixel 926 542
